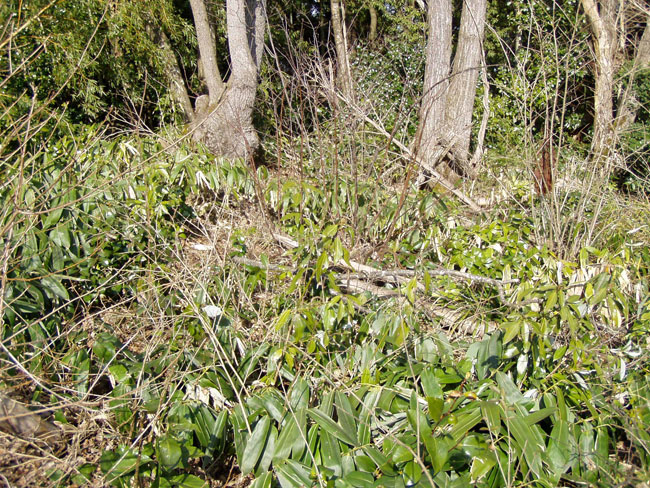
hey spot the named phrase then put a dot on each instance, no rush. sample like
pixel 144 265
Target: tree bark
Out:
pixel 207 49
pixel 226 125
pixel 611 44
pixel 462 85
pixel 602 21
pixel 372 36
pixel 436 80
pixel 448 99
pixel 340 43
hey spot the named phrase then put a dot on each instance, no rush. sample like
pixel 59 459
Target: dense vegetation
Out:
pixel 174 318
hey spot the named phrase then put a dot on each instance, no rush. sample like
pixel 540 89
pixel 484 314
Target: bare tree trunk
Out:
pixel 448 99
pixel 436 80
pixel 207 50
pixel 602 20
pixel 226 127
pixel 462 85
pixel 372 36
pixel 340 42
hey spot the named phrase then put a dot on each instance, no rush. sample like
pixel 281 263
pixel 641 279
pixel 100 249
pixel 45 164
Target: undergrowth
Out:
pixel 189 321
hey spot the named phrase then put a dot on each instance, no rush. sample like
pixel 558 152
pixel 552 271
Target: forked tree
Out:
pixel 223 118
pixel 445 130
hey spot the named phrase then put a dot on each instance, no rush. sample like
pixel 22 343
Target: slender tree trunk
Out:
pixel 436 80
pixel 226 127
pixel 603 18
pixel 372 36
pixel 462 85
pixel 207 50
pixel 340 41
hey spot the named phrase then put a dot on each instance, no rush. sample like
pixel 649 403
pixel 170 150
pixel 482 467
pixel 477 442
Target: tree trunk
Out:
pixel 462 85
pixel 226 126
pixel 602 22
pixel 436 80
pixel 207 49
pixel 372 36
pixel 340 42
pixel 448 99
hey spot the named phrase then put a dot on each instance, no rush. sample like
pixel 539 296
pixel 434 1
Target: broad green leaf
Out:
pixel 268 452
pixel 510 390
pixel 539 415
pixel 330 452
pixel 413 472
pixel 466 419
pixel 364 463
pixel 380 460
pixel 492 415
pixel 292 438
pixel 120 462
pixel 255 445
pixel 367 409
pixel 53 285
pixel 481 465
pixel 263 481
pixel 299 395
pixel 359 479
pixel 559 448
pixel 332 427
pixel 528 438
pixel 436 406
pixel 292 474
pixel 346 414
pixel 169 452
pixel 438 448
pixel 188 481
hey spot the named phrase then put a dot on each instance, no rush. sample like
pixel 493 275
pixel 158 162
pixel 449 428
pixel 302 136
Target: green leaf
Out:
pixel 466 419
pixel 118 463
pixel 359 479
pixel 60 236
pixel 299 395
pixel 528 438
pixel 346 414
pixel 292 474
pixel 332 427
pixel 187 481
pixel 481 465
pixel 268 453
pixel 364 463
pixel 436 406
pixel 263 481
pixel 492 415
pixel 53 285
pixel 292 437
pixel 169 452
pixel 367 410
pixel 438 448
pixel 559 449
pixel 330 452
pixel 255 445
pixel 539 415
pixel 380 460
